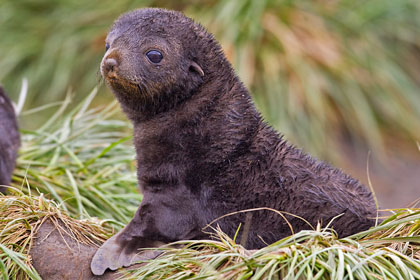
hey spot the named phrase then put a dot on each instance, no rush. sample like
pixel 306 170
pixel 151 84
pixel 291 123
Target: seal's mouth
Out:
pixel 112 77
pixel 122 85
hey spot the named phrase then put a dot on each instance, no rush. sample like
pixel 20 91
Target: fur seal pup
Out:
pixel 9 140
pixel 204 151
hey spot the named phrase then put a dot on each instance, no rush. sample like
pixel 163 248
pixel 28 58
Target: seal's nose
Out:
pixel 110 64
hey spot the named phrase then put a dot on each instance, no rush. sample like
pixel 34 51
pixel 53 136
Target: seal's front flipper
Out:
pixel 119 251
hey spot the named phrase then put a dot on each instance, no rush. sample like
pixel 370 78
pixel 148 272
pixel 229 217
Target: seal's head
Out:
pixel 155 59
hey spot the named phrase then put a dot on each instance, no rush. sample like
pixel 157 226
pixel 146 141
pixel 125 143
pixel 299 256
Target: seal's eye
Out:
pixel 106 46
pixel 154 56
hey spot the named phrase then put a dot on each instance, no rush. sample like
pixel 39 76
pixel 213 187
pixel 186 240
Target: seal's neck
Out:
pixel 209 126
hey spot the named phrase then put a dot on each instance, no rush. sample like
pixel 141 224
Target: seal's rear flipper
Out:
pixel 119 252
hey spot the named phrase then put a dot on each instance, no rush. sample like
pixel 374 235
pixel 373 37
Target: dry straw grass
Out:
pixel 21 216
pixel 389 251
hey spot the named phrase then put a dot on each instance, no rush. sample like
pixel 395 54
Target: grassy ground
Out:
pixel 389 251
pixel 79 167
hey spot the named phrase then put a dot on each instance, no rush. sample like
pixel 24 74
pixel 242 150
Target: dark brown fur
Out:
pixel 204 151
pixel 9 140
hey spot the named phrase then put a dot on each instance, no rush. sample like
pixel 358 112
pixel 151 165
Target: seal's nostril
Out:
pixel 110 64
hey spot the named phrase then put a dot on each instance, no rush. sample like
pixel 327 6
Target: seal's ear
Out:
pixel 196 68
pixel 119 252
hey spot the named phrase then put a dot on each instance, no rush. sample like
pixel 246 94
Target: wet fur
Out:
pixel 204 151
pixel 9 139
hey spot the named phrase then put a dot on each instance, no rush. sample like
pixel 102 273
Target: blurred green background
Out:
pixel 338 78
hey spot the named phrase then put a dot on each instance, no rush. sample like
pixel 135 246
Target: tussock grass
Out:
pixel 315 68
pixel 389 251
pixel 76 168
pixel 21 216
pixel 319 68
pixel 83 160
